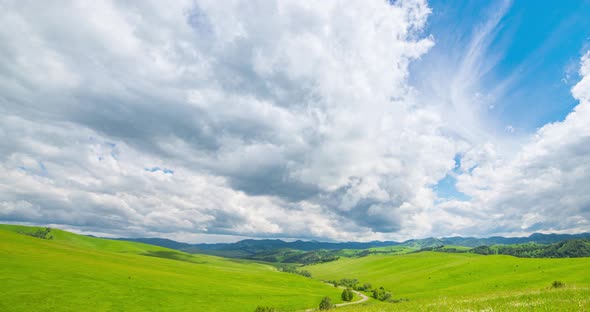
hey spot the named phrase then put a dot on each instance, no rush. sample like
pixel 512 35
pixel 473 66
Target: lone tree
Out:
pixel 347 294
pixel 326 304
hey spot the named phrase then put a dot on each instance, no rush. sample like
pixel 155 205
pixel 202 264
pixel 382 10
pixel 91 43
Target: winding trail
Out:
pixel 363 299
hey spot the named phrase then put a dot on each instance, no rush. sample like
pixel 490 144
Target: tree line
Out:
pixel 574 248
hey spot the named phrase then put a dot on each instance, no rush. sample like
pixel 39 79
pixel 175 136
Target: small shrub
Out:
pixel 304 273
pixel 265 309
pixel 43 234
pixel 382 294
pixel 398 300
pixel 364 287
pixel 347 294
pixel 386 296
pixel 289 268
pixel 348 282
pixel 557 284
pixel 326 304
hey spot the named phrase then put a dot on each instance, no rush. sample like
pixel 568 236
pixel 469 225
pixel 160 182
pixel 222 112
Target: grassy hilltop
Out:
pixel 447 281
pixel 62 271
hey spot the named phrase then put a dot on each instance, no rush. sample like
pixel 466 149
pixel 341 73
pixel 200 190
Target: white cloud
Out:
pixel 543 186
pixel 276 118
pixel 283 119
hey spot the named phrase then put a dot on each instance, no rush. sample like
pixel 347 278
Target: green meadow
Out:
pixel 60 271
pixel 72 272
pixel 435 281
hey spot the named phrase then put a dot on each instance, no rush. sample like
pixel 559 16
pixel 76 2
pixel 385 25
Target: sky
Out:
pixel 213 121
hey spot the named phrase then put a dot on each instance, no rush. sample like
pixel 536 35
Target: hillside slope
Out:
pixel 68 272
pixel 453 280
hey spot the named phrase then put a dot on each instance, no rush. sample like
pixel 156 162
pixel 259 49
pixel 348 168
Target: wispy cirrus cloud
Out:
pixel 541 187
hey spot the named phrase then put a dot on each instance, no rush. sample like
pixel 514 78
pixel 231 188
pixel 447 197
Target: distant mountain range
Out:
pixel 249 247
pixel 537 238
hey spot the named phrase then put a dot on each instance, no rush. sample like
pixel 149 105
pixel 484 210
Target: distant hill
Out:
pixel 257 245
pixel 47 269
pixel 536 238
pixel 572 248
pixel 162 242
pixel 276 250
pixel 271 250
pixel 254 244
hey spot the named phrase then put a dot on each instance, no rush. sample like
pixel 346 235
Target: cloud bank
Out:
pixel 544 187
pixel 258 119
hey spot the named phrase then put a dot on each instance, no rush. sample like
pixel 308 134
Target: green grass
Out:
pixel 397 250
pixel 78 273
pixel 455 247
pixel 566 299
pixel 450 281
pixel 390 250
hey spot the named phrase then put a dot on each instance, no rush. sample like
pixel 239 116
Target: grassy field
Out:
pixel 435 281
pixel 454 247
pixel 398 250
pixel 63 271
pixel 77 273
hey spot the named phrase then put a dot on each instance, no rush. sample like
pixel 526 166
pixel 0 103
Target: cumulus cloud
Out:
pixel 543 187
pixel 248 118
pixel 256 119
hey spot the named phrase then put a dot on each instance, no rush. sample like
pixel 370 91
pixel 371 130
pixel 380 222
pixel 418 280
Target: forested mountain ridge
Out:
pixel 276 250
pixel 573 248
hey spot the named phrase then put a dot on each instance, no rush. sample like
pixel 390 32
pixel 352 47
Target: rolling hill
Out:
pixel 448 281
pixel 54 270
pixel 252 246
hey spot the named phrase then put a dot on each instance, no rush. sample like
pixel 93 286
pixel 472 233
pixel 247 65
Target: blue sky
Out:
pixel 534 52
pixel 542 43
pixel 535 49
pixel 363 120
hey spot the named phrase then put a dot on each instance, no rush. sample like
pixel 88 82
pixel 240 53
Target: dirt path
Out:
pixel 363 299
